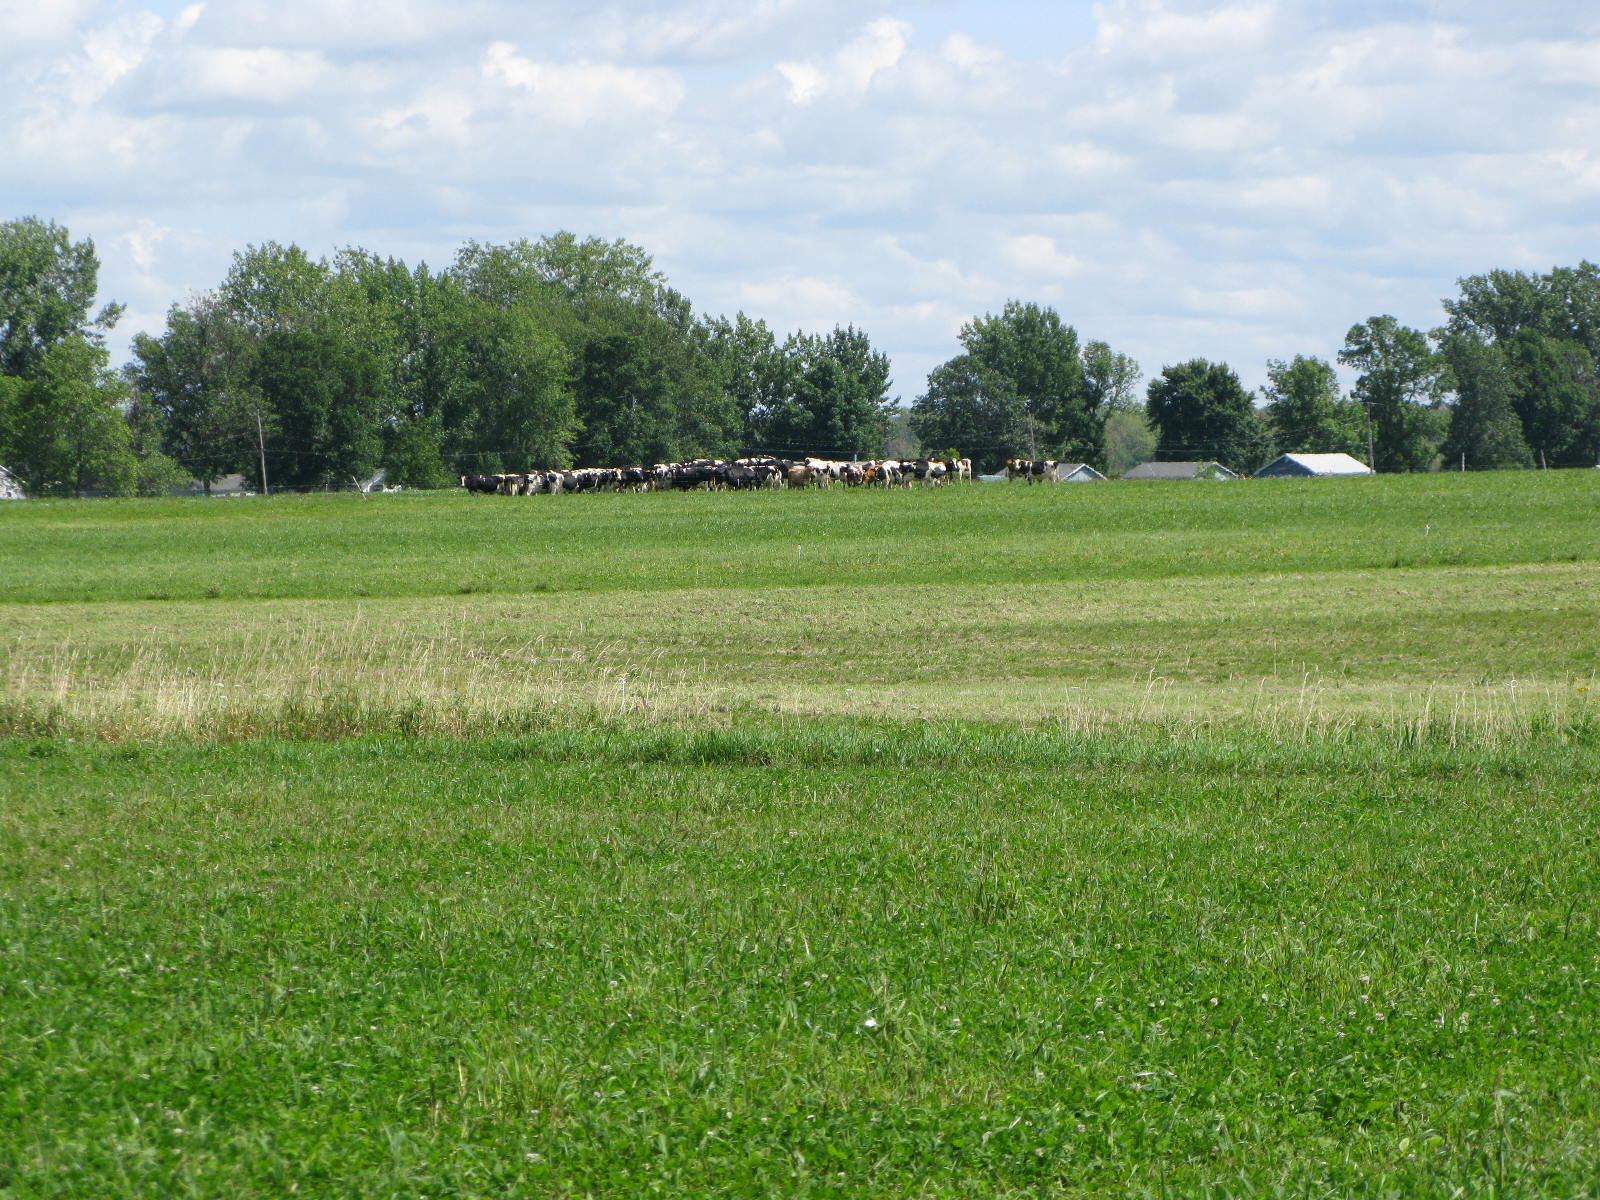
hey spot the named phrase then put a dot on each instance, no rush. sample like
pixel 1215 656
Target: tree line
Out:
pixel 301 372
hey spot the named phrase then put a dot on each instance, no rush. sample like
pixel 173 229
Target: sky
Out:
pixel 1238 181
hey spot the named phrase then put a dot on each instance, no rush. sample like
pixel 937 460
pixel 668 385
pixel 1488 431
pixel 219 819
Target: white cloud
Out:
pixel 142 241
pixel 806 302
pixel 851 71
pixel 31 25
pixel 105 55
pixel 577 92
pixel 1305 193
pixel 1249 302
pixel 255 75
pixel 1153 29
pixel 1036 255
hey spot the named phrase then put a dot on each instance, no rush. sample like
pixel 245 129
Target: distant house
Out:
pixel 222 485
pixel 1287 466
pixel 1077 473
pixel 10 489
pixel 1180 470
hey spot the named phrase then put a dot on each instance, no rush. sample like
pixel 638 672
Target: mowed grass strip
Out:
pixel 341 546
pixel 1488 645
pixel 824 958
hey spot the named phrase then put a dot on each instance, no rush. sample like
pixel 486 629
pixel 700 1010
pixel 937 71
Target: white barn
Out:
pixel 1288 466
pixel 1077 473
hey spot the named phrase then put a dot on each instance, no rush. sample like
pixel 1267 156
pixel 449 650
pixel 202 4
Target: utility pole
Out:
pixel 261 446
pixel 1370 462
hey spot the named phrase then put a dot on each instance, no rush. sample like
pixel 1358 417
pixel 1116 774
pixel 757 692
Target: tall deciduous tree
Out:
pixel 1484 432
pixel 47 287
pixel 326 361
pixel 1399 385
pixel 1556 396
pixel 199 376
pixel 62 426
pixel 967 407
pixel 750 368
pixel 66 431
pixel 1110 380
pixel 1129 440
pixel 1548 328
pixel 1200 410
pixel 1306 411
pixel 839 406
pixel 1030 347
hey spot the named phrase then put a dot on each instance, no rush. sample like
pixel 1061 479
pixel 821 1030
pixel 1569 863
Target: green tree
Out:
pixel 506 380
pixel 1037 355
pixel 750 368
pixel 66 429
pixel 1200 410
pixel 1484 432
pixel 644 382
pixel 561 267
pixel 199 377
pixel 158 474
pixel 1497 305
pixel 969 407
pixel 1556 396
pixel 1110 380
pixel 326 361
pixel 1399 386
pixel 1548 327
pixel 1306 412
pixel 47 286
pixel 1129 440
pixel 839 406
pixel 647 388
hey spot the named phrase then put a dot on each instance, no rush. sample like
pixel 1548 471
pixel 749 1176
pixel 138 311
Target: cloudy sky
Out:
pixel 1236 181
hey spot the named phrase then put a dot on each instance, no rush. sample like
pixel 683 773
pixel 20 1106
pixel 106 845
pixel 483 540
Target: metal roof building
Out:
pixel 1077 473
pixel 1304 465
pixel 1180 470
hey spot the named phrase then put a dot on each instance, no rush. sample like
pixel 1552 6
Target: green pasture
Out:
pixel 1145 840
pixel 799 959
pixel 428 545
pixel 1304 603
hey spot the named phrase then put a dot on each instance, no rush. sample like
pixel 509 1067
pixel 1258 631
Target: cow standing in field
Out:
pixel 1031 469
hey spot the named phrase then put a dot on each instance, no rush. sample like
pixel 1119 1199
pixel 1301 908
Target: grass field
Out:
pixel 1135 840
pixel 1302 603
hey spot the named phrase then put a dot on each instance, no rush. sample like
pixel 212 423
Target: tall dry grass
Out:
pixel 349 677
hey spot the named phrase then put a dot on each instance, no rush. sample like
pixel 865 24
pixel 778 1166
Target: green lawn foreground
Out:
pixel 827 958
pixel 1180 841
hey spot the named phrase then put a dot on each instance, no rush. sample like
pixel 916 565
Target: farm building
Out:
pixel 1287 466
pixel 1063 473
pixel 222 485
pixel 1078 473
pixel 1180 470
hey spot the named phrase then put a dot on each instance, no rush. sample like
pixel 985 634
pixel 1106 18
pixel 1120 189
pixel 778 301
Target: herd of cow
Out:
pixel 761 472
